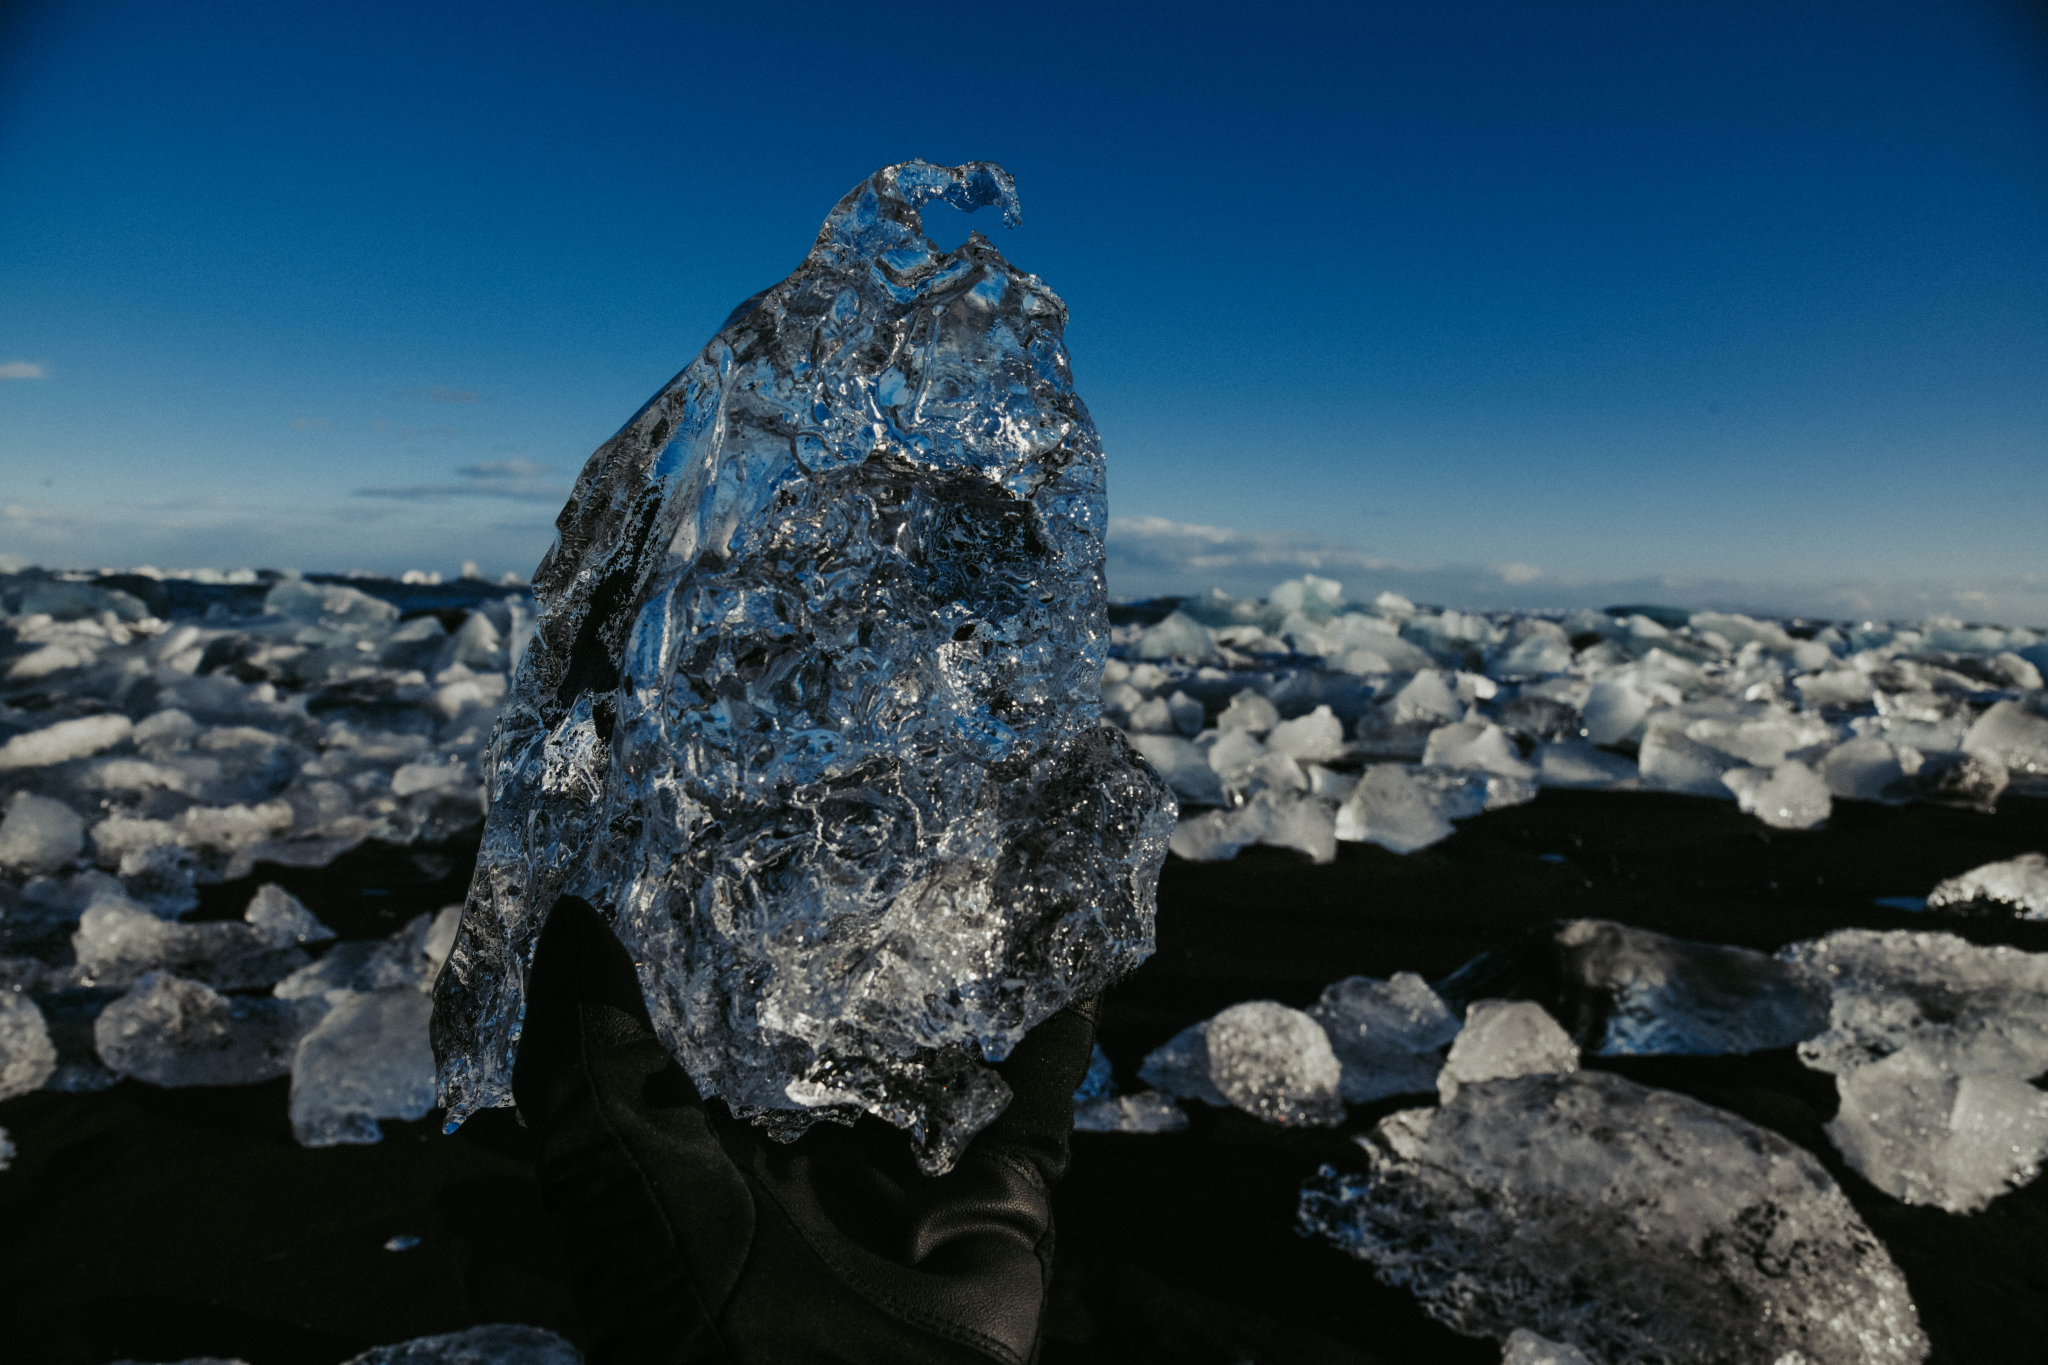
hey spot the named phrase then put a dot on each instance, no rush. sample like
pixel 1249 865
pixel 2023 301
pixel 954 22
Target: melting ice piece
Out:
pixel 38 834
pixel 369 1059
pixel 1524 1347
pixel 2018 886
pixel 116 943
pixel 812 708
pixel 409 958
pixel 1789 796
pixel 1148 1111
pixel 27 1056
pixel 1631 1223
pixel 1503 1038
pixel 1665 996
pixel 174 1032
pixel 1261 1057
pixel 1388 1035
pixel 497 1343
pixel 1928 1136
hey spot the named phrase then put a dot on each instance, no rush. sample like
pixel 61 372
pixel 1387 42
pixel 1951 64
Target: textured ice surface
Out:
pixel 38 834
pixel 812 710
pixel 1524 1347
pixel 409 958
pixel 2018 886
pixel 1504 1038
pixel 1633 1224
pixel 1933 1042
pixel 496 1343
pixel 116 943
pixel 27 1056
pixel 1259 1056
pixel 1789 796
pixel 174 1032
pixel 1388 1036
pixel 1667 996
pixel 369 1059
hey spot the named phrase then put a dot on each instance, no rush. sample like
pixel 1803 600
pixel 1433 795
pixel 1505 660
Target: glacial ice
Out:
pixel 174 1032
pixel 1665 996
pixel 1503 1038
pixel 1932 1041
pixel 1388 1035
pixel 1524 1347
pixel 27 1056
pixel 495 1343
pixel 117 942
pixel 1789 796
pixel 38 834
pixel 813 707
pixel 1626 1222
pixel 368 1059
pixel 2018 887
pixel 7 1152
pixel 1259 1056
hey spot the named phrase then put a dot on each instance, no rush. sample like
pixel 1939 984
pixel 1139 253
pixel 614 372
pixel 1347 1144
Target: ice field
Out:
pixel 187 758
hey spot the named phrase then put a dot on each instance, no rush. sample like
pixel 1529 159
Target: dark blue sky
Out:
pixel 1747 302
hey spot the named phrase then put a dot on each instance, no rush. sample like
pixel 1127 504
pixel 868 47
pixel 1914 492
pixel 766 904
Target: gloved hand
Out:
pixel 693 1237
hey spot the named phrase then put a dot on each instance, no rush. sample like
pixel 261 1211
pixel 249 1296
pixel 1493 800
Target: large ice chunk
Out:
pixel 1665 996
pixel 1630 1223
pixel 1388 1035
pixel 1929 1136
pixel 174 1032
pixel 2017 886
pixel 369 1059
pixel 812 709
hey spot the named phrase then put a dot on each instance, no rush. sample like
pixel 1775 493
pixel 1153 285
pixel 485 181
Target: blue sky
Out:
pixel 1499 304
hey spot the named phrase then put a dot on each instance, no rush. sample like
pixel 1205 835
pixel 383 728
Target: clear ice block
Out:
pixel 812 709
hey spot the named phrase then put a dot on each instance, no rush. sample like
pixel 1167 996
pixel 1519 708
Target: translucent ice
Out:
pixel 1261 1057
pixel 1665 996
pixel 410 958
pixel 1928 1136
pixel 1633 1224
pixel 1393 809
pixel 38 834
pixel 116 943
pixel 64 740
pixel 1524 1347
pixel 2018 886
pixel 1388 1035
pixel 2012 735
pixel 369 1059
pixel 174 1032
pixel 1475 744
pixel 1789 796
pixel 1505 1038
pixel 812 707
pixel 495 1343
pixel 27 1056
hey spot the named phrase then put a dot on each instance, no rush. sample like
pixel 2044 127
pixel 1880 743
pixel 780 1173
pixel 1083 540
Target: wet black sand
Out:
pixel 158 1224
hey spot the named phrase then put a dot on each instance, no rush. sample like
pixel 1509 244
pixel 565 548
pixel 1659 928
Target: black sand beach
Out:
pixel 148 1224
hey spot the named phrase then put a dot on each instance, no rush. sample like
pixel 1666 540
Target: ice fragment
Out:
pixel 1631 1223
pixel 1505 1038
pixel 2018 886
pixel 369 1059
pixel 1388 1035
pixel 38 834
pixel 1789 796
pixel 174 1032
pixel 493 1344
pixel 1524 1347
pixel 27 1056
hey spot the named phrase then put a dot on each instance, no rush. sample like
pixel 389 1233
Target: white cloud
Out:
pixel 512 479
pixel 440 393
pixel 1518 573
pixel 504 469
pixel 21 369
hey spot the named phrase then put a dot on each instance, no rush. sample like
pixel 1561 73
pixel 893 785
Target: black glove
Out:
pixel 692 1236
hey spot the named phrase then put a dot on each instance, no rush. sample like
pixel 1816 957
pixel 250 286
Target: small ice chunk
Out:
pixel 1763 738
pixel 1180 1067
pixel 2011 735
pixel 1250 712
pixel 1524 1347
pixel 1275 1063
pixel 369 1059
pixel 1926 1136
pixel 1503 1038
pixel 27 1056
pixel 1314 738
pixel 2018 886
pixel 1426 698
pixel 1789 796
pixel 1669 761
pixel 1148 1111
pixel 410 958
pixel 64 741
pixel 1214 836
pixel 1867 769
pixel 1236 756
pixel 281 918
pixel 1186 713
pixel 117 942
pixel 1634 1224
pixel 38 834
pixel 1475 744
pixel 330 606
pixel 1391 808
pixel 1578 763
pixel 1613 710
pixel 1179 636
pixel 1387 1035
pixel 496 1343
pixel 174 1032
